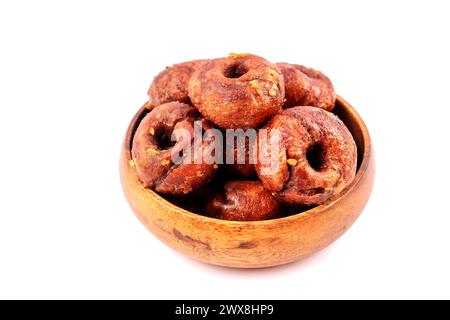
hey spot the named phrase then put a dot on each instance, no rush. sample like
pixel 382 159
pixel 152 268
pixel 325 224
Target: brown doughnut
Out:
pixel 152 151
pixel 241 91
pixel 245 169
pixel 317 156
pixel 307 87
pixel 243 201
pixel 171 84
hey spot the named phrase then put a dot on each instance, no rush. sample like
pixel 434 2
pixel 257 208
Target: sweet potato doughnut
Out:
pixel 241 91
pixel 307 87
pixel 152 151
pixel 316 157
pixel 171 84
pixel 243 201
pixel 246 168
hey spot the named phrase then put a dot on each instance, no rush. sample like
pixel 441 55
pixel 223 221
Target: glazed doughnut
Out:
pixel 307 87
pixel 153 151
pixel 171 84
pixel 241 91
pixel 316 157
pixel 243 201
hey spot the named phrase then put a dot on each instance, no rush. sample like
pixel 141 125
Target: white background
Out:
pixel 73 73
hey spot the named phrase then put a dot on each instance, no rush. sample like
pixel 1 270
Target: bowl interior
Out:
pixel 190 203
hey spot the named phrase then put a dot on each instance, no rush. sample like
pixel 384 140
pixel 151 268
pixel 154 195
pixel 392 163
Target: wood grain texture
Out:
pixel 261 243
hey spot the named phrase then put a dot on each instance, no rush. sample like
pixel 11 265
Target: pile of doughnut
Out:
pixel 316 161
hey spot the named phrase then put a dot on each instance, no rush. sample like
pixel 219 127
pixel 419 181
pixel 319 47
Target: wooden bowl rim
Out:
pixel 302 215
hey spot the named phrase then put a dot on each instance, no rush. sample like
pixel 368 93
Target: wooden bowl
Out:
pixel 260 243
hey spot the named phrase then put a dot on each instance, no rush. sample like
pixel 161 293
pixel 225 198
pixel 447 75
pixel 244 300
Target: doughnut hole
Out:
pixel 316 157
pixel 235 71
pixel 163 138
